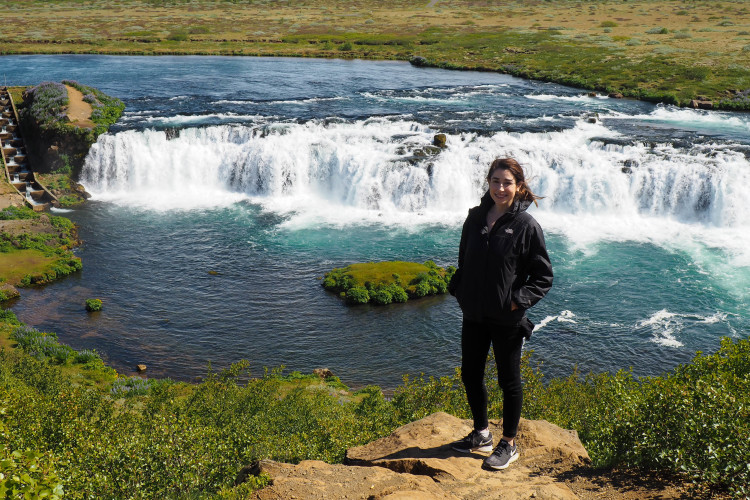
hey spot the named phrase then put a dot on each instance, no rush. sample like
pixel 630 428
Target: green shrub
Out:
pixel 608 24
pixel 23 474
pixel 657 31
pixel 357 295
pixel 398 294
pixel 382 297
pixel 93 305
pixel 345 47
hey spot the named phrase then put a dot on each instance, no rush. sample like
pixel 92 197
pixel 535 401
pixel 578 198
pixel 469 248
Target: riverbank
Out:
pixel 648 49
pixel 195 437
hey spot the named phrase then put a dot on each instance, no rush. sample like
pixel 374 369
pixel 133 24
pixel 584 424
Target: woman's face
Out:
pixel 502 188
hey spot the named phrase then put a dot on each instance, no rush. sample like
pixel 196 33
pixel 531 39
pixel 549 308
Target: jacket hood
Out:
pixel 517 207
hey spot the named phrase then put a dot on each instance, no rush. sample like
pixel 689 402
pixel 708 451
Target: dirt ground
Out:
pixel 79 111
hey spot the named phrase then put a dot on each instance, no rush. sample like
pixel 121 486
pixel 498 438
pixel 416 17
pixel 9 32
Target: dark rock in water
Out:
pixel 626 170
pixel 172 133
pixel 591 94
pixel 439 140
pixel 430 167
pixel 323 372
pixel 418 61
pixel 592 117
pixel 616 95
pixel 630 163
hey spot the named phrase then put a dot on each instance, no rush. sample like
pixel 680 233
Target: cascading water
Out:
pixel 372 166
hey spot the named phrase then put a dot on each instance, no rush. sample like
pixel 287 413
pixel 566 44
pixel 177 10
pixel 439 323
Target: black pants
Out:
pixel 475 346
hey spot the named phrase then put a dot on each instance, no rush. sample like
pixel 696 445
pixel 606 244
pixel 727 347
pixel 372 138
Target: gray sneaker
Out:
pixel 473 442
pixel 504 455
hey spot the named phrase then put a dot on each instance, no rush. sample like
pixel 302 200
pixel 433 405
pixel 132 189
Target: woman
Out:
pixel 503 269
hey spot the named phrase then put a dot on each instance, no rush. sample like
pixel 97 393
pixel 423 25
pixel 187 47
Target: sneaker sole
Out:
pixel 502 467
pixel 483 449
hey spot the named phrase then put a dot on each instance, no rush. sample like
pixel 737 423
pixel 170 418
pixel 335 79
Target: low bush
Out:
pixel 93 305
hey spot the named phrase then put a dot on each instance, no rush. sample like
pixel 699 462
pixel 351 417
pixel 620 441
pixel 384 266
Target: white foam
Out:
pixel 581 99
pixel 663 325
pixel 564 317
pixel 692 119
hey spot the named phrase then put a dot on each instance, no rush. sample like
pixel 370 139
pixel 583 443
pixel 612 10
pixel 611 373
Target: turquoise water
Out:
pixel 231 185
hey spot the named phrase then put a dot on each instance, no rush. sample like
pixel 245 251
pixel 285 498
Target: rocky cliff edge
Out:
pixel 416 462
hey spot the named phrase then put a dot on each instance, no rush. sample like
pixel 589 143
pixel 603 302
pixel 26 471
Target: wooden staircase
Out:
pixel 17 168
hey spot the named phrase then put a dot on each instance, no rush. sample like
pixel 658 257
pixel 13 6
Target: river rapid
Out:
pixel 232 184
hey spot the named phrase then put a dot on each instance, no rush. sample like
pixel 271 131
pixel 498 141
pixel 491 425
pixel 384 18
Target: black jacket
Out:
pixel 508 264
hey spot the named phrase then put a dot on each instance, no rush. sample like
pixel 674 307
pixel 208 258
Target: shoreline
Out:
pixel 658 51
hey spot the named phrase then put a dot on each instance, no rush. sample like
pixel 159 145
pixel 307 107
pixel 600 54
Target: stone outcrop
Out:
pixel 701 104
pixel 416 462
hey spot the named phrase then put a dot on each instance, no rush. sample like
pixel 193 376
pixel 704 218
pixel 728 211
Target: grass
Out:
pixel 556 41
pixel 21 263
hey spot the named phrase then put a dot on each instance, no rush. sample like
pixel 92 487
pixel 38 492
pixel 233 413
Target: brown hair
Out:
pixel 523 193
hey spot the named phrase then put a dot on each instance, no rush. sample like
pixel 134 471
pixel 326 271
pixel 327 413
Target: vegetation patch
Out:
pixel 93 433
pixel 35 248
pixel 383 283
pixel 555 41
pixel 93 305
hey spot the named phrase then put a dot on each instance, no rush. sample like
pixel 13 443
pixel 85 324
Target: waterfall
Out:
pixel 390 169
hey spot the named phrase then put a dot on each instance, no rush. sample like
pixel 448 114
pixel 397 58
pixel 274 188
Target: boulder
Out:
pixel 439 140
pixel 323 372
pixel 8 291
pixel 615 95
pixel 416 461
pixel 140 367
pixel 701 104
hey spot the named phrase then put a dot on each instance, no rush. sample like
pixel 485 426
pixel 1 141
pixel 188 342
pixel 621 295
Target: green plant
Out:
pixel 93 305
pixel 357 295
pixel 658 31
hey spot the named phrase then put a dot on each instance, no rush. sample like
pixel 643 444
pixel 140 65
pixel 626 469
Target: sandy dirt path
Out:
pixel 79 111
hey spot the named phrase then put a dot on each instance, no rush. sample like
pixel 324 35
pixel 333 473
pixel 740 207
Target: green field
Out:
pixel 670 51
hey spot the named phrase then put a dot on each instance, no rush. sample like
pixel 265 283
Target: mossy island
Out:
pixel 383 283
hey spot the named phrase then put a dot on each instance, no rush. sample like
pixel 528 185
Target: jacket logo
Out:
pixel 509 231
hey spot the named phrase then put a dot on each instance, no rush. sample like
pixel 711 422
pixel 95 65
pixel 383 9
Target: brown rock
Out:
pixel 439 140
pixel 701 104
pixel 8 291
pixel 416 462
pixel 615 95
pixel 323 372
pixel 140 368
